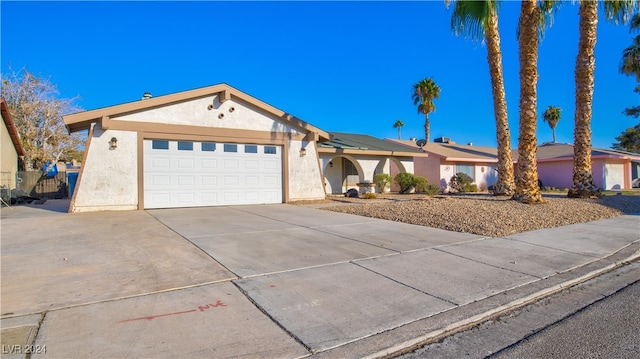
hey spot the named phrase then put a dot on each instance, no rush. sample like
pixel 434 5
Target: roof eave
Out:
pixel 351 151
pixel 83 120
pixel 11 127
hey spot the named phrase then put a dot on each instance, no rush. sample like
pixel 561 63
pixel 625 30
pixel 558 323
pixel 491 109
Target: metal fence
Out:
pixel 35 184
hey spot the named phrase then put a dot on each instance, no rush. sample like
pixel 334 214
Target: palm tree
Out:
pixel 398 124
pixel 527 190
pixel 552 116
pixel 424 92
pixel 630 63
pixel 620 10
pixel 479 19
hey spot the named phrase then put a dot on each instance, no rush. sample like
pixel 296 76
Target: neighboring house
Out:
pixel 11 148
pixel 611 169
pixel 205 147
pixel 446 158
pixel 351 160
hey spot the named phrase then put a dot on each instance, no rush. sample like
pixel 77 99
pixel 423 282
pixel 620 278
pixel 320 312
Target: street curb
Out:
pixel 464 324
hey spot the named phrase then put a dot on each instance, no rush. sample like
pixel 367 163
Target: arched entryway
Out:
pixel 342 173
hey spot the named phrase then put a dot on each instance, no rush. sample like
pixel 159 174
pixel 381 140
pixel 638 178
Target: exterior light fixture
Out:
pixel 303 152
pixel 113 143
pixel 331 164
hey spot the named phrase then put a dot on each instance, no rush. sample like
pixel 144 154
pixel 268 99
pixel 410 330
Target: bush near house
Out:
pixel 406 181
pixel 382 181
pixel 423 186
pixel 370 195
pixel 461 182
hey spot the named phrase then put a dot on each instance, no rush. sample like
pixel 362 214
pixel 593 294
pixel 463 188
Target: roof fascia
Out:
pixel 82 120
pixel 11 127
pixel 466 159
pixel 371 152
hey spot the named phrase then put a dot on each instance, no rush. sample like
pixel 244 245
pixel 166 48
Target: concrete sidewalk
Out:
pixel 276 281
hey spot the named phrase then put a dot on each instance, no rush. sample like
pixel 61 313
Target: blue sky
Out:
pixel 341 66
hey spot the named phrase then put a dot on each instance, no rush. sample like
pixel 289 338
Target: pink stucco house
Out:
pixel 446 158
pixel 611 169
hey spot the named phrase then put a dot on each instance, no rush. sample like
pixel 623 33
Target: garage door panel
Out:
pixel 209 180
pixel 209 163
pixel 161 163
pixel 186 180
pixel 251 164
pixel 271 164
pixel 186 163
pixel 211 177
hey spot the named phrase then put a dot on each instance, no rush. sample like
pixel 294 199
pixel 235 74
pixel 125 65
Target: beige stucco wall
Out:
pixel 305 181
pixel 196 113
pixel 9 156
pixel 109 179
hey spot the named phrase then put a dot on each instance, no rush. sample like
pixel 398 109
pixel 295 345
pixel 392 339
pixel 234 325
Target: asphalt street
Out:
pixel 599 318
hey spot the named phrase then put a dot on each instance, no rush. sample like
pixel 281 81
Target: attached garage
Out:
pixel 213 146
pixel 195 174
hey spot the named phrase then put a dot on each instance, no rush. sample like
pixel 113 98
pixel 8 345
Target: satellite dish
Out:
pixel 421 143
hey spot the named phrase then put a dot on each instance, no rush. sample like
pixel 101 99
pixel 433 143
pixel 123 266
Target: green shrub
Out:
pixel 382 181
pixel 370 195
pixel 461 182
pixel 470 188
pixel 421 184
pixel 406 181
pixel 432 189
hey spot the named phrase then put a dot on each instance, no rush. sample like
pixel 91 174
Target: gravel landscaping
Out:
pixel 484 214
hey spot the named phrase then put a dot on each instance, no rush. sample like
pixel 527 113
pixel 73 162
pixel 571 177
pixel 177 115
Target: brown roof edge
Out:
pixel 82 120
pixel 11 126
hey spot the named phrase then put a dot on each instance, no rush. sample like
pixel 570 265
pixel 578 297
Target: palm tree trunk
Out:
pixel 527 190
pixel 554 134
pixel 505 185
pixel 426 127
pixel 583 185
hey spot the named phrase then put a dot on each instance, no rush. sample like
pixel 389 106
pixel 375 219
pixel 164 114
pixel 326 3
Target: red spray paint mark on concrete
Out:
pixel 201 308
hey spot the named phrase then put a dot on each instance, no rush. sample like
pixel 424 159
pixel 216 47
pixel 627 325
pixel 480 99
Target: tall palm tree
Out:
pixel 620 10
pixel 479 19
pixel 630 63
pixel 424 92
pixel 552 116
pixel 398 124
pixel 527 190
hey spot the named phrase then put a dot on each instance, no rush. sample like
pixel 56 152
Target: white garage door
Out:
pixel 195 174
pixel 613 176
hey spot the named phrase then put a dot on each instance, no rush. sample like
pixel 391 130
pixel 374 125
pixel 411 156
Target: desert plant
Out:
pixel 370 195
pixel 406 181
pixel 423 186
pixel 462 182
pixel 382 181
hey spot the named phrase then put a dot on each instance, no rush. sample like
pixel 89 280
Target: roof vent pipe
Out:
pixel 146 95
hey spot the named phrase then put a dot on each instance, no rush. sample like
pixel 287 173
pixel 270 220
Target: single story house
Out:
pixel 352 160
pixel 446 158
pixel 611 169
pixel 11 148
pixel 209 146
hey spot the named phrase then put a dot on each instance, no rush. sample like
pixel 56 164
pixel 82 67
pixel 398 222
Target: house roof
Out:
pixel 11 127
pixel 352 143
pixel 83 120
pixel 454 152
pixel 563 151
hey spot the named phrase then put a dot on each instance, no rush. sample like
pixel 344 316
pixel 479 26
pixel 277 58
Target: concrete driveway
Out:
pixel 253 281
